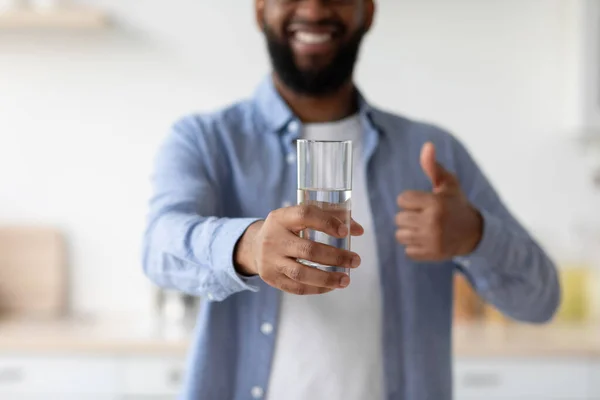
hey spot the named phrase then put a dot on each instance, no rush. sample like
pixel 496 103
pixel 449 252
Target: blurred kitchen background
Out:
pixel 88 89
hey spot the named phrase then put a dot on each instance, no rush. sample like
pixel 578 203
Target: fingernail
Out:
pixel 345 281
pixel 355 261
pixel 343 230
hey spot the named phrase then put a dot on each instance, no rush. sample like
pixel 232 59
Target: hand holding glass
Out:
pixel 325 181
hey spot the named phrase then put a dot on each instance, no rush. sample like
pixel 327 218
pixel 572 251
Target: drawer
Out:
pixel 153 376
pixel 58 375
pixel 73 397
pixel 148 397
pixel 553 379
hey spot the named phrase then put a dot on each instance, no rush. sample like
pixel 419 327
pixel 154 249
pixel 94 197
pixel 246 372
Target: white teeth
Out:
pixel 312 38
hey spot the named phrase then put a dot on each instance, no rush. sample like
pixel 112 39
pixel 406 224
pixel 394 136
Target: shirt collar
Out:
pixel 276 115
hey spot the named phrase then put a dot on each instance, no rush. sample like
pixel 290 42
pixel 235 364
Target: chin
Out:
pixel 312 65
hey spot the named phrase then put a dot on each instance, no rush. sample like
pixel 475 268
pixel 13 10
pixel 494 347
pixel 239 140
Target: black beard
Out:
pixel 316 82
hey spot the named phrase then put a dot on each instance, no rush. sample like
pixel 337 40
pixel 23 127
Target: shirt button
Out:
pixel 291 158
pixel 293 126
pixel 463 262
pixel 257 392
pixel 286 204
pixel 266 328
pixel 210 296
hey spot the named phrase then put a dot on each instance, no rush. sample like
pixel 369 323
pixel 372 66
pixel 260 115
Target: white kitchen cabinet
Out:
pixel 522 379
pixel 134 397
pixel 66 397
pixel 90 377
pixel 595 380
pixel 152 376
pixel 590 62
pixel 58 377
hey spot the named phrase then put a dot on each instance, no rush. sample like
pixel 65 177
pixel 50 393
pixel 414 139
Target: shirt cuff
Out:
pixel 222 250
pixel 480 262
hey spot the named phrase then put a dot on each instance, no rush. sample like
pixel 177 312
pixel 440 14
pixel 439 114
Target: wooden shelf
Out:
pixel 67 18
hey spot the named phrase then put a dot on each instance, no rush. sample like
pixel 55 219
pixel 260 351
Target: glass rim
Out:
pixel 323 141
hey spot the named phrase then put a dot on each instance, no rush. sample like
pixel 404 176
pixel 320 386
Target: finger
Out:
pixel 293 287
pixel 303 217
pixel 429 163
pixel 322 253
pixel 314 277
pixel 417 253
pixel 440 177
pixel 356 229
pixel 408 237
pixel 409 220
pixel 343 215
pixel 413 200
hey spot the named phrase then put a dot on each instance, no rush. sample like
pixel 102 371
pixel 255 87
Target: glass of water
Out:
pixel 325 181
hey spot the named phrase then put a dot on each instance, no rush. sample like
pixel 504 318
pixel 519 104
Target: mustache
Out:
pixel 322 23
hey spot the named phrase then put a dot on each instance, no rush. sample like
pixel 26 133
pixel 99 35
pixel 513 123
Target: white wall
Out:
pixel 81 115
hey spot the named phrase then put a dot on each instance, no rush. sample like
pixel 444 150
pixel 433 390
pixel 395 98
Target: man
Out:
pixel 223 226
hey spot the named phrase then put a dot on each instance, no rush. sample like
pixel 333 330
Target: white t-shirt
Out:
pixel 328 346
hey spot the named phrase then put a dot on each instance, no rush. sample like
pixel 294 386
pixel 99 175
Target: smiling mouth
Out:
pixel 312 37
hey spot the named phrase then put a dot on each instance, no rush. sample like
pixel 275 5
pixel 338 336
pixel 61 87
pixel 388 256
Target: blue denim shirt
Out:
pixel 218 172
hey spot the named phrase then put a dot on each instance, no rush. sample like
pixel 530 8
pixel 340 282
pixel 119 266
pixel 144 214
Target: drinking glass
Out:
pixel 325 181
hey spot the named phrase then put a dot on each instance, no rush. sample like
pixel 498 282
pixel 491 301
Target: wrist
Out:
pixel 244 251
pixel 474 233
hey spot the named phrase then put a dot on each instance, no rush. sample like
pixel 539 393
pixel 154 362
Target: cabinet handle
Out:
pixel 481 380
pixel 11 375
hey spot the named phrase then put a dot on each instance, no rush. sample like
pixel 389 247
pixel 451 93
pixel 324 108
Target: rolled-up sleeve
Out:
pixel 508 268
pixel 188 245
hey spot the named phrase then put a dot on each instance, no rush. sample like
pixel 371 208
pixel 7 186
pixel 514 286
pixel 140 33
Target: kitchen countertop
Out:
pixel 147 337
pixel 522 340
pixel 92 335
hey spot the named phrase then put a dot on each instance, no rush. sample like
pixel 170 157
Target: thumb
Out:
pixel 437 174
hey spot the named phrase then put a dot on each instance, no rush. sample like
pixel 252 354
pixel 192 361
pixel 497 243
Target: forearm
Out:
pixel 510 271
pixel 195 254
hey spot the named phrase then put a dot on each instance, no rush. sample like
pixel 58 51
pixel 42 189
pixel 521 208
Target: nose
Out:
pixel 314 10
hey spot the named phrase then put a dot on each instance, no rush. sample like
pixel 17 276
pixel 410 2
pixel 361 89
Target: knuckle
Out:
pixel 267 240
pixel 271 270
pixel 295 273
pixel 299 290
pixel 284 285
pixel 332 224
pixel 401 237
pixel 304 211
pixel 398 219
pixel 307 250
pixel 278 268
pixel 276 281
pixel 272 215
pixel 341 258
pixel 287 243
pixel 412 254
pixel 398 236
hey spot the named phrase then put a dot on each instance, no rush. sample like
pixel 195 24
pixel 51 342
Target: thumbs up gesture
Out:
pixel 441 224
